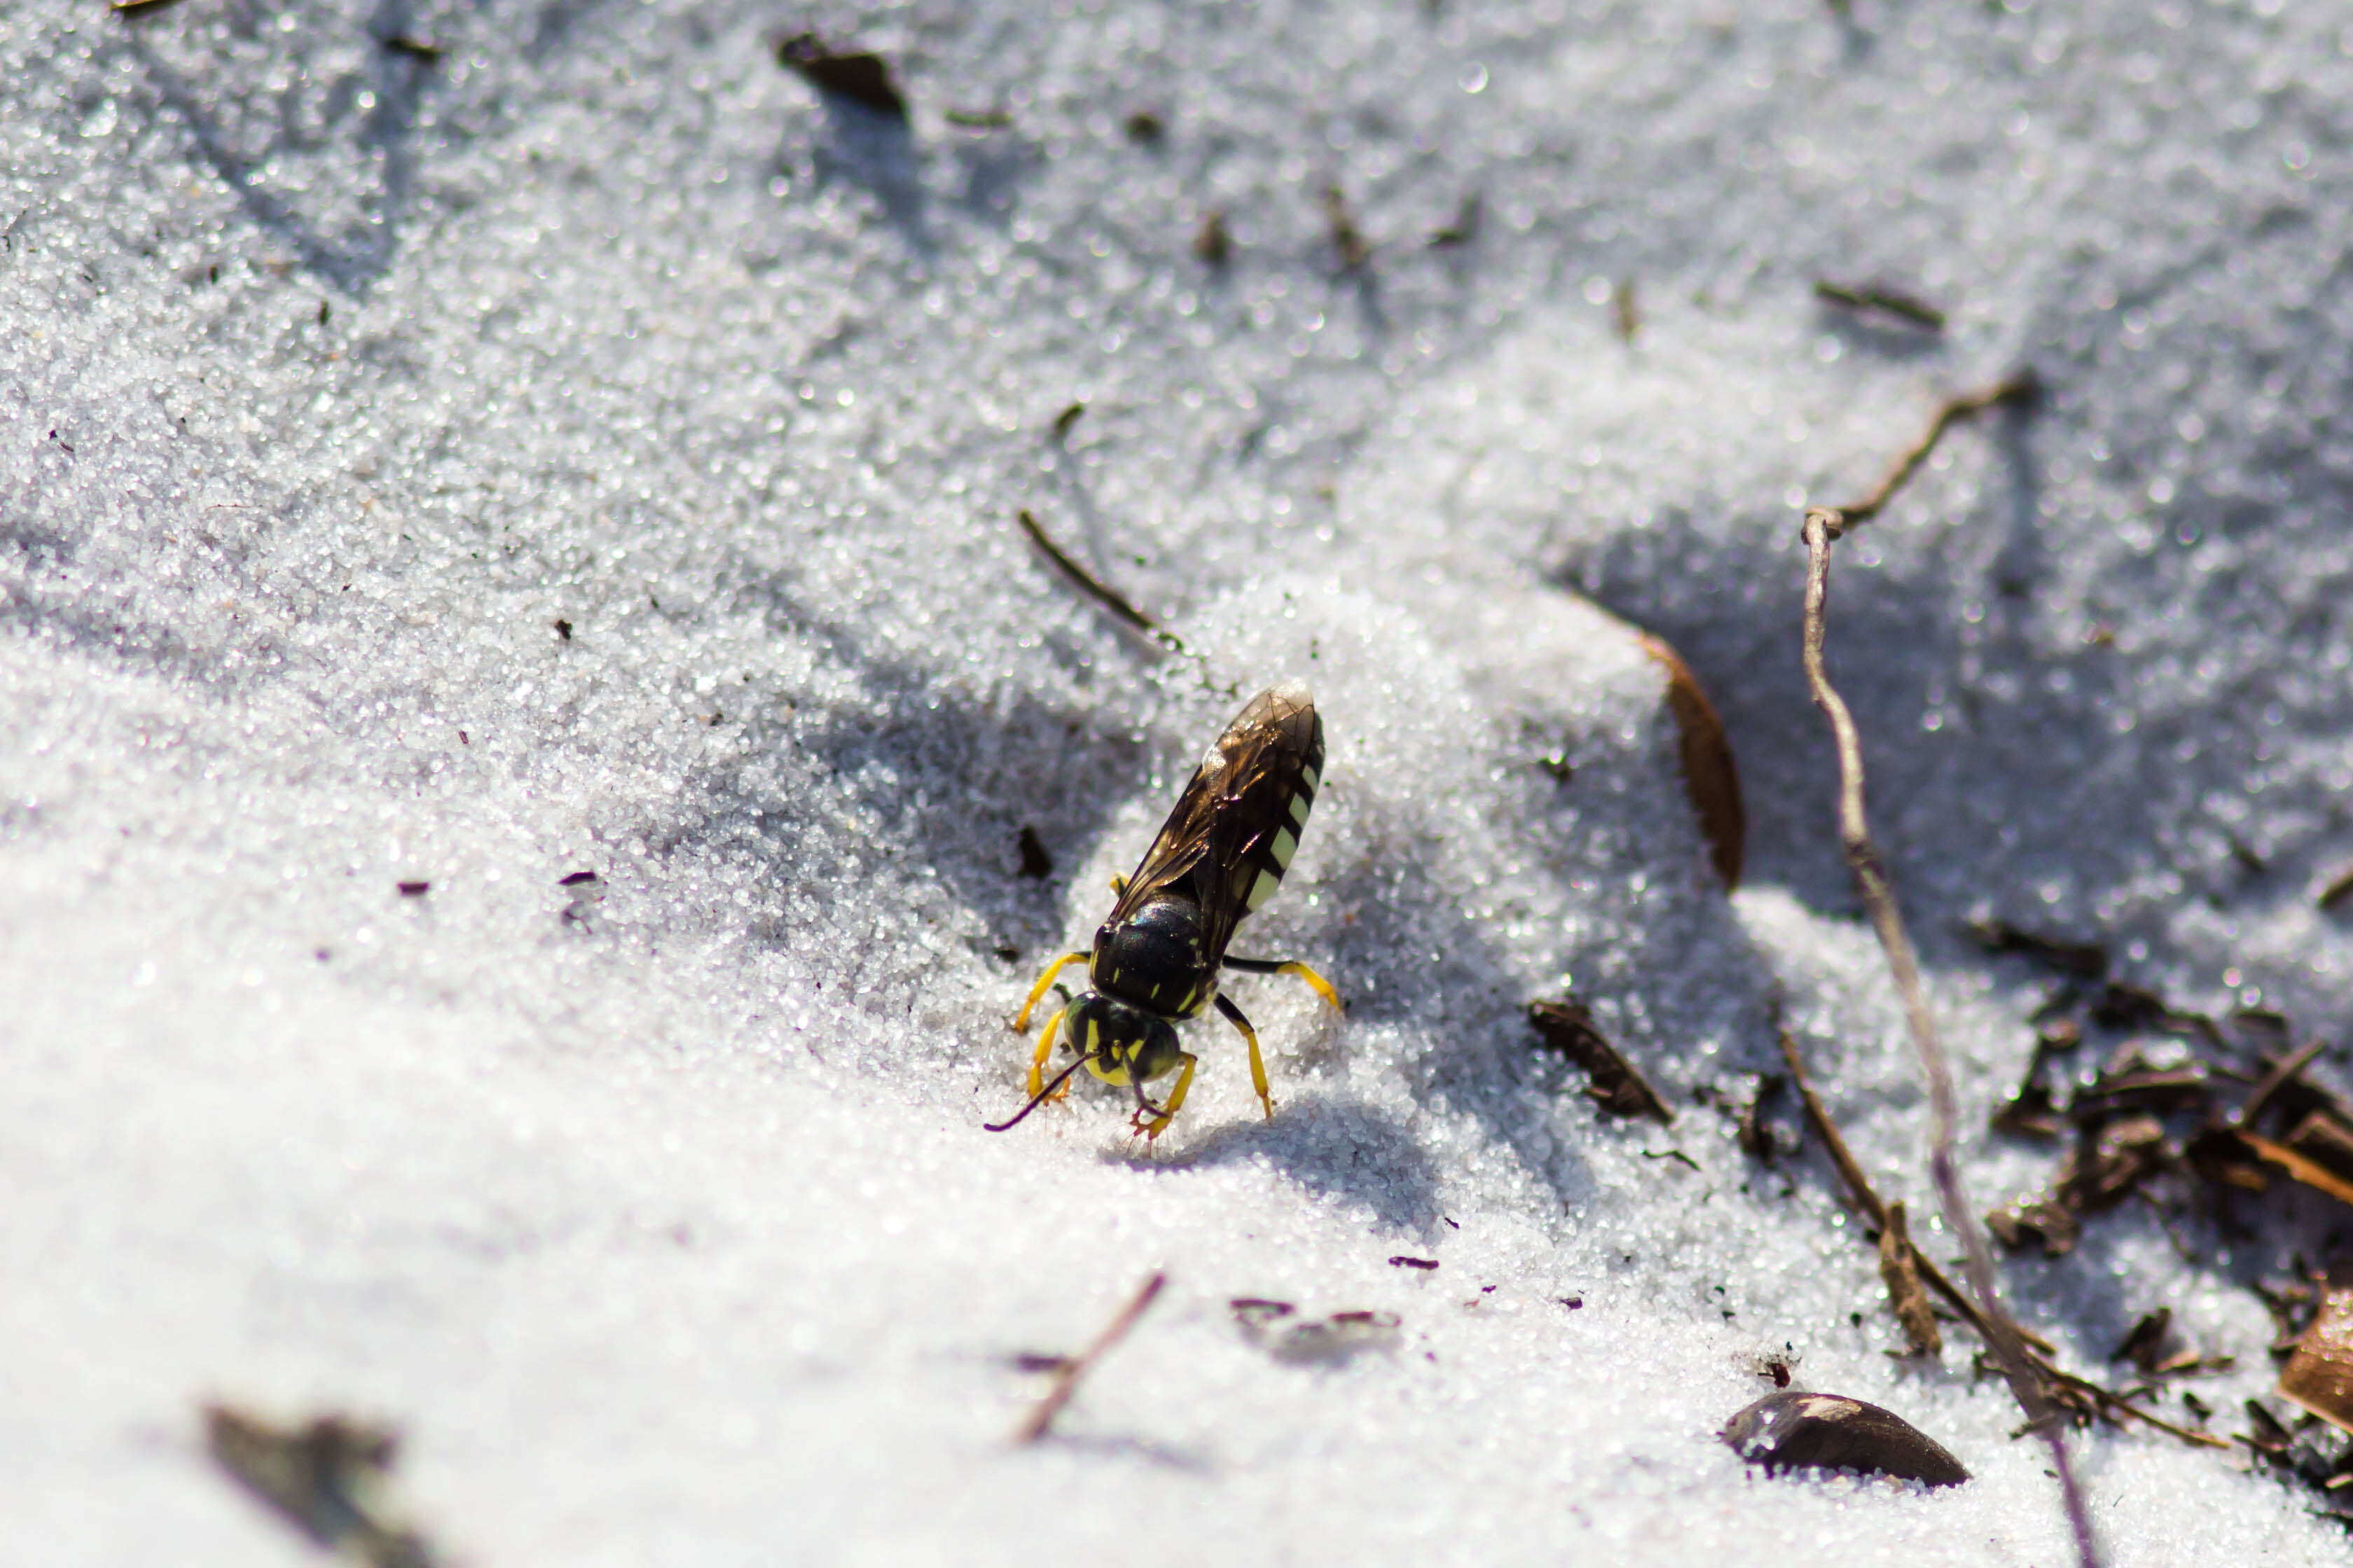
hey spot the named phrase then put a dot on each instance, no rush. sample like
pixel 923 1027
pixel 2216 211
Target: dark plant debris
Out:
pixel 2032 1112
pixel 1211 242
pixel 1145 126
pixel 1905 1295
pixel 1348 241
pixel 1401 1261
pixel 1752 1132
pixel 1036 864
pixel 854 74
pixel 1466 226
pixel 1327 1341
pixel 979 119
pixel 1883 301
pixel 1796 1431
pixel 2157 1349
pixel 414 889
pixel 1067 419
pixel 2339 888
pixel 2088 959
pixel 329 1478
pixel 423 51
pixel 1625 311
pixel 2077 1399
pixel 1565 1027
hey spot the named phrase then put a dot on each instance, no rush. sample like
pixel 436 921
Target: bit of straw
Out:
pixel 1919 312
pixel 1066 1377
pixel 1823 525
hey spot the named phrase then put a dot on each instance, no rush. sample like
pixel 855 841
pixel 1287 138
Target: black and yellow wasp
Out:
pixel 1219 856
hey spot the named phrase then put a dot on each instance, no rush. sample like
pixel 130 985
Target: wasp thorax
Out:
pixel 1154 958
pixel 1120 1043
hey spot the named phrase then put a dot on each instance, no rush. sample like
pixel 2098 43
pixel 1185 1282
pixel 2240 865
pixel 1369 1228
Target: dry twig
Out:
pixel 1824 525
pixel 1066 1376
pixel 1103 593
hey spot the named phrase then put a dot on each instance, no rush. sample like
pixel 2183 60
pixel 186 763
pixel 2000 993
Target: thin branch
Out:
pixel 1869 866
pixel 2019 388
pixel 1103 593
pixel 1066 1377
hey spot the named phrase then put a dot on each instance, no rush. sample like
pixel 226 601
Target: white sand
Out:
pixel 331 380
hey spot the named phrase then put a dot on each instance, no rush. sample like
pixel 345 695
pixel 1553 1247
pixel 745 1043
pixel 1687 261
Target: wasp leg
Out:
pixel 1021 1019
pixel 1162 1115
pixel 1257 1065
pixel 1045 1048
pixel 1316 982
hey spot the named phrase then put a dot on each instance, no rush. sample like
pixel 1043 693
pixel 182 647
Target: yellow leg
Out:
pixel 1021 1019
pixel 1045 1049
pixel 1258 1064
pixel 1321 986
pixel 1159 1125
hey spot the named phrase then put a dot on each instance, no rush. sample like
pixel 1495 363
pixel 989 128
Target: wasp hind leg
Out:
pixel 1315 982
pixel 1258 1064
pixel 1021 1019
pixel 1152 1120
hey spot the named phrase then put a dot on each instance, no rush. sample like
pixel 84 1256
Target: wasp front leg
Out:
pixel 1315 982
pixel 1021 1019
pixel 1045 1049
pixel 1257 1065
pixel 1160 1116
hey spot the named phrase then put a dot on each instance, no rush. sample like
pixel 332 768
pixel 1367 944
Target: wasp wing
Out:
pixel 1233 831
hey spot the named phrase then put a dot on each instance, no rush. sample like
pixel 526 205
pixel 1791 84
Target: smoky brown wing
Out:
pixel 1232 836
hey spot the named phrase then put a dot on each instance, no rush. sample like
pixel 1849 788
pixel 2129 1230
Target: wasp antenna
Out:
pixel 1035 1100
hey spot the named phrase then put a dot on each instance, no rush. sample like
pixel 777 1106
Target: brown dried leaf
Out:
pixel 1616 1086
pixel 2319 1376
pixel 1709 773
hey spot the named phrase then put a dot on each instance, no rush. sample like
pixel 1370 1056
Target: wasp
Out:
pixel 1155 961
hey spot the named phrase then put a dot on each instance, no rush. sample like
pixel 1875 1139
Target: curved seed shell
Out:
pixel 1792 1430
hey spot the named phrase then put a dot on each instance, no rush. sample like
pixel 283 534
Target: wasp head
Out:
pixel 1122 1044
